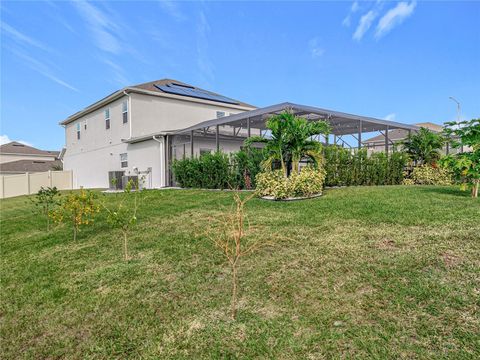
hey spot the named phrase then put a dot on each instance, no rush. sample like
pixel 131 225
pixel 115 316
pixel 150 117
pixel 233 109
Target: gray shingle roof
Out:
pixel 22 166
pixel 400 134
pixel 15 147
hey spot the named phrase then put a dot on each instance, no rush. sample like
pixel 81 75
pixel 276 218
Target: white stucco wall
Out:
pixel 153 114
pixel 98 150
pixel 144 155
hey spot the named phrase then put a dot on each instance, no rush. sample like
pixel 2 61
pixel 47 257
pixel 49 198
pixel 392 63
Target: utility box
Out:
pixel 115 180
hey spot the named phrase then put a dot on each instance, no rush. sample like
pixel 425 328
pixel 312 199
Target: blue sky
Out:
pixel 396 60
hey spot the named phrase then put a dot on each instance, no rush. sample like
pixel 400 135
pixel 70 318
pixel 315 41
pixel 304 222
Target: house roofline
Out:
pixel 122 92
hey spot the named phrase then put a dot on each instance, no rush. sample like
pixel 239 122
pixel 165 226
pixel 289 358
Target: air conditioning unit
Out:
pixel 115 180
pixel 127 178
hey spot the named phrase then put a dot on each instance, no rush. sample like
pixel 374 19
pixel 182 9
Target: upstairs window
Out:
pixel 221 114
pixel 78 131
pixel 125 111
pixel 123 160
pixel 107 118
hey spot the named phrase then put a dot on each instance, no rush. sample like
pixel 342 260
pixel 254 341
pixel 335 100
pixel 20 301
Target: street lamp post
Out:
pixel 458 113
pixel 458 107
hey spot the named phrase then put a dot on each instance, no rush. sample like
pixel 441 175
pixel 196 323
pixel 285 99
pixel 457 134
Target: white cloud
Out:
pixel 316 50
pixel 364 24
pixel 42 69
pixel 203 59
pixel 171 8
pixel 4 139
pixel 353 9
pixel 104 30
pixel 391 117
pixel 22 38
pixel 394 17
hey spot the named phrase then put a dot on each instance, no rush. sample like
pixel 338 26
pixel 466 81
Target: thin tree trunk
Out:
pixel 125 248
pixel 476 184
pixel 234 290
pixel 74 233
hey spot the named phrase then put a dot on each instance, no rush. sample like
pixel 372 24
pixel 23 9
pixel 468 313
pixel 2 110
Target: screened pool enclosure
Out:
pixel 229 132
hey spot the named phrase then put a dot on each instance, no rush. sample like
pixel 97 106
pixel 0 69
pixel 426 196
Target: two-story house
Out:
pixel 99 137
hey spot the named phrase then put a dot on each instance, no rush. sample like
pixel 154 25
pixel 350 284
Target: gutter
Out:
pixel 162 168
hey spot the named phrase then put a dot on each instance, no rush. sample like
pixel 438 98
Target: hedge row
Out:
pixel 238 170
pixel 219 170
pixel 345 168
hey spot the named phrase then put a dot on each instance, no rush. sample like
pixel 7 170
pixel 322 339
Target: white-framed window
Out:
pixel 125 111
pixel 107 118
pixel 78 131
pixel 124 160
pixel 221 114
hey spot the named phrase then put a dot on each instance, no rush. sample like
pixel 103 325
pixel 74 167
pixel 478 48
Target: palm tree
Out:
pixel 424 146
pixel 290 141
pixel 300 143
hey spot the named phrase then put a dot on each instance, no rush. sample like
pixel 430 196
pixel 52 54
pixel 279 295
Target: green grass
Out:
pixel 362 272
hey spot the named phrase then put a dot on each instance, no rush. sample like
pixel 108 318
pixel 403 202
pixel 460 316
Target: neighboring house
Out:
pixel 377 143
pixel 30 166
pixel 14 151
pixel 17 158
pixel 99 138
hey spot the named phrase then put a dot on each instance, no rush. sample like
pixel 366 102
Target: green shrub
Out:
pixel 219 170
pixel 429 175
pixel 347 168
pixel 246 164
pixel 306 183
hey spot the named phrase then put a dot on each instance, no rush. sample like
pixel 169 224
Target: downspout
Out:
pixel 129 112
pixel 162 173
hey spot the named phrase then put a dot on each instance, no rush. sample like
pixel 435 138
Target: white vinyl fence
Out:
pixel 26 184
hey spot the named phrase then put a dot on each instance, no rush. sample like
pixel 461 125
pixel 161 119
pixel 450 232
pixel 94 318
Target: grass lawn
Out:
pixel 362 272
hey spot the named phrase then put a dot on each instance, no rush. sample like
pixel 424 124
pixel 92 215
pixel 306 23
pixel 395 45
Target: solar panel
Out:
pixel 183 90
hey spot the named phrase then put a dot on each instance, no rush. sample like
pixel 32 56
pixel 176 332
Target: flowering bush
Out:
pixel 306 183
pixel 429 175
pixel 76 209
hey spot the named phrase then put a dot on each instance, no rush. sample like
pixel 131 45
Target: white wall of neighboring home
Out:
pixel 4 158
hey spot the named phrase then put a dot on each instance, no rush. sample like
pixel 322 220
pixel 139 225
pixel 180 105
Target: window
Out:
pixel 221 114
pixel 125 111
pixel 205 151
pixel 124 160
pixel 78 131
pixel 107 118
